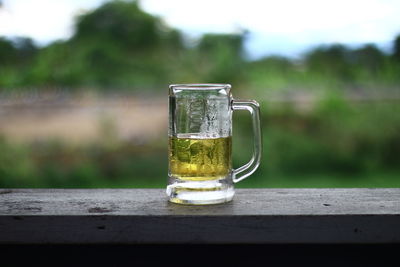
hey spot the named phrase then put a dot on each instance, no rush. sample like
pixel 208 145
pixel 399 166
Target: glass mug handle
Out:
pixel 250 167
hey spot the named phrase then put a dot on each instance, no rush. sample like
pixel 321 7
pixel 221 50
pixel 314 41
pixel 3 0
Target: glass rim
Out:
pixel 200 86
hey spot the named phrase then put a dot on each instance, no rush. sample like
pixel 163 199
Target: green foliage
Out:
pixel 120 47
pixel 216 59
pixel 221 57
pixel 116 46
pixel 55 164
pixel 368 57
pixel 396 48
pixel 332 142
pixel 337 144
pixel 336 140
pixel 121 23
pixel 330 61
pixel 16 58
pixel 8 53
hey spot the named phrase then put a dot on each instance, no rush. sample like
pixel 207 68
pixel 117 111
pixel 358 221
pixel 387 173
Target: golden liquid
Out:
pixel 200 159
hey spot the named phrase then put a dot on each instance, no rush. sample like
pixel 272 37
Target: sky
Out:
pixel 282 27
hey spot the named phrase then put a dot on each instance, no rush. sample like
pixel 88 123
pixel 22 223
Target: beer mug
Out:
pixel 200 143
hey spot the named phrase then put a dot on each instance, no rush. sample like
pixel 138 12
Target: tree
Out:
pixel 331 61
pixel 368 57
pixel 274 64
pixel 8 53
pixel 396 48
pixel 119 22
pixel 221 56
pixel 114 46
pixel 16 57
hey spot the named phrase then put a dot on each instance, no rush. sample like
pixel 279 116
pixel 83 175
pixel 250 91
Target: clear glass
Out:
pixel 200 143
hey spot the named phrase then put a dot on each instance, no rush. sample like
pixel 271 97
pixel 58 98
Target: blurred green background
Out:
pixel 91 111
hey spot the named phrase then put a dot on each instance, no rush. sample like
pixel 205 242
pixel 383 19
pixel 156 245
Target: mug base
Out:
pixel 200 192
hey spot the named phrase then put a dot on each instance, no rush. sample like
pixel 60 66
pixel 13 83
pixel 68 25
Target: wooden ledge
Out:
pixel 143 216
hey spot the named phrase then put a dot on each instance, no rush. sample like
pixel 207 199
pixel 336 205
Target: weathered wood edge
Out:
pixel 154 202
pixel 231 223
pixel 100 229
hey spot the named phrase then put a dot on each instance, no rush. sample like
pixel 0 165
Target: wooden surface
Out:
pixel 143 216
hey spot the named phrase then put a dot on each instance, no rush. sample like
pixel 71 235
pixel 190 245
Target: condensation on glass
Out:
pixel 200 143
